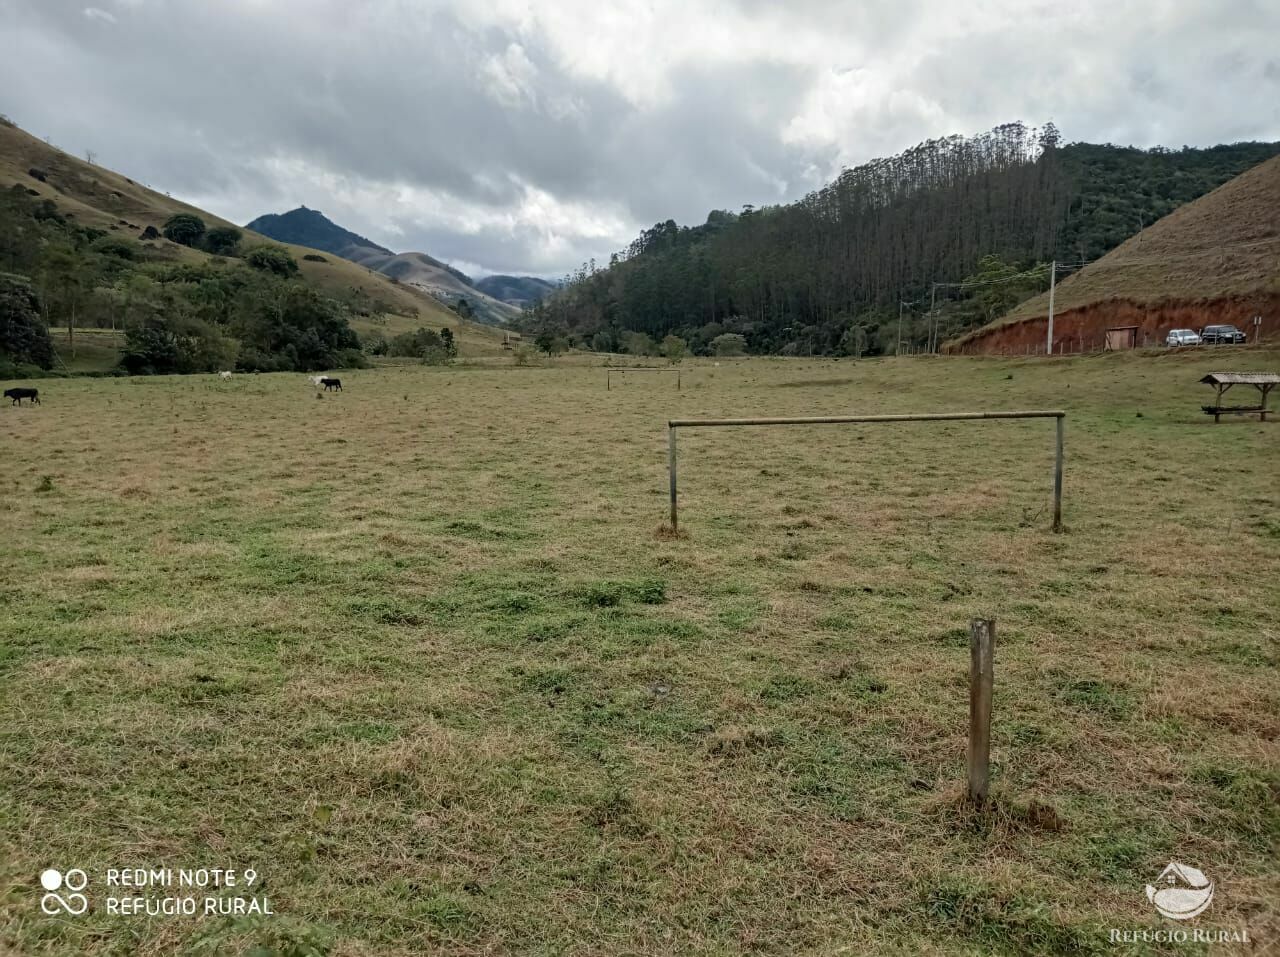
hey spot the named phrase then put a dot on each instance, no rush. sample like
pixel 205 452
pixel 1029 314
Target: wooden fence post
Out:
pixel 982 645
pixel 671 476
pixel 1057 475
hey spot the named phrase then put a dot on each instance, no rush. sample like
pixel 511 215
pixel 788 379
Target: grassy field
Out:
pixel 420 654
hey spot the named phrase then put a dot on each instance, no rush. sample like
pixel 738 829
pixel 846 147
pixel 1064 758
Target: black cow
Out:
pixel 335 384
pixel 17 395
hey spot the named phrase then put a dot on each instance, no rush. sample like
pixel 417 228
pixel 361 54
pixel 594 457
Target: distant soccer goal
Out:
pixel 625 370
pixel 1059 415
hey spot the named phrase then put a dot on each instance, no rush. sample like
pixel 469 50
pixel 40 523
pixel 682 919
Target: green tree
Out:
pixel 222 240
pixel 729 344
pixel 450 344
pixel 66 280
pixel 674 348
pixel 23 335
pixel 374 343
pixel 637 343
pixel 178 345
pixel 424 344
pixel 550 337
pixel 996 285
pixel 186 229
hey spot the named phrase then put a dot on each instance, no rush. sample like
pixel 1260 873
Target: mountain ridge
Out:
pixel 419 270
pixel 523 291
pixel 310 227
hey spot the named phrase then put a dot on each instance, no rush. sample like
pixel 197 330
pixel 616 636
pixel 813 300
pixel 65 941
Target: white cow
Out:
pixel 315 380
pixel 224 375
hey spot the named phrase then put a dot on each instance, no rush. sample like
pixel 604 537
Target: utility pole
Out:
pixel 1053 276
pixel 898 351
pixel 933 329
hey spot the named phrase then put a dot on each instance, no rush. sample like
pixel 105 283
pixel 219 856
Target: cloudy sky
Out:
pixel 527 136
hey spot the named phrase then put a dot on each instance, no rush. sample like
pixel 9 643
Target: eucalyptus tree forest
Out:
pixel 850 268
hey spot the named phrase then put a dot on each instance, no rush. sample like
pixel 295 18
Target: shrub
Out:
pixel 223 240
pixel 116 247
pixel 273 259
pixel 350 359
pixel 729 344
pixel 674 348
pixel 158 346
pixel 374 343
pixel 314 258
pixel 637 343
pixel 184 229
pixel 424 344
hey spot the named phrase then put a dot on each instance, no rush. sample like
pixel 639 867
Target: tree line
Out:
pixel 850 268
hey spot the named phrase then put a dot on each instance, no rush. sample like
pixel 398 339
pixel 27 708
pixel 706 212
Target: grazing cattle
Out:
pixel 224 375
pixel 17 395
pixel 331 384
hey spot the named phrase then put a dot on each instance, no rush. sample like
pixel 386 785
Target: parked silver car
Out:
pixel 1182 337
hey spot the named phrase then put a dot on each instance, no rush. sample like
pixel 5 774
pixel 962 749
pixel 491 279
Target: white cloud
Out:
pixel 521 136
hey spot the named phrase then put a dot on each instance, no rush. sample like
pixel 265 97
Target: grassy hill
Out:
pixel 522 291
pixel 97 197
pixel 1225 243
pixel 1216 259
pixel 418 271
pixel 436 279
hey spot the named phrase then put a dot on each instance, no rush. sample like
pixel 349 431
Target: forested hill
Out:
pixel 826 274
pixel 309 227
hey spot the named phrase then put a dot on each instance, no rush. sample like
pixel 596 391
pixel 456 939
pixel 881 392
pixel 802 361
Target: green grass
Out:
pixel 96 350
pixel 420 654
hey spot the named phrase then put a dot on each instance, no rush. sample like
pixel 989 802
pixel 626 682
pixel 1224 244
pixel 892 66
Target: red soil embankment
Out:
pixel 1084 329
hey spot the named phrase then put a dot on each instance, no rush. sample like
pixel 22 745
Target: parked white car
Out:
pixel 1182 337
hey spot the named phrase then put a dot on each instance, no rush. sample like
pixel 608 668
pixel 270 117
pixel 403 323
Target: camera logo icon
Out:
pixel 73 881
